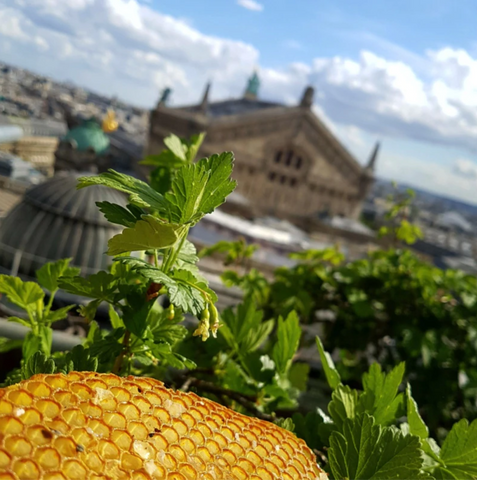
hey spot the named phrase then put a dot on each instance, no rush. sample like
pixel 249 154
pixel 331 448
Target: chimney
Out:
pixel 307 98
pixel 204 104
pixel 373 158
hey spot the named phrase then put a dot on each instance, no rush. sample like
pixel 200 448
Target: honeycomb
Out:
pixel 100 426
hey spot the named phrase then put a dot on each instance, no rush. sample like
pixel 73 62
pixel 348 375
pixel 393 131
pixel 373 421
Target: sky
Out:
pixel 403 72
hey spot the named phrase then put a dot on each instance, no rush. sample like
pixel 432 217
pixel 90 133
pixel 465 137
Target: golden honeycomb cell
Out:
pixel 95 426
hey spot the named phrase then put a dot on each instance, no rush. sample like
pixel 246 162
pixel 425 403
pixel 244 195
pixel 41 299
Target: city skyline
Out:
pixel 376 75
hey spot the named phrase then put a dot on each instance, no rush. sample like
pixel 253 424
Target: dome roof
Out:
pixel 53 221
pixel 88 135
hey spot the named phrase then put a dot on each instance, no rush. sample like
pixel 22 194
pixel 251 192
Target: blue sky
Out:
pixel 400 71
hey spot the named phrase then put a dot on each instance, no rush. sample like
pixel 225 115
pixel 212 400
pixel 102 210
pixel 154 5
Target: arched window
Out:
pixel 288 161
pixel 298 163
pixel 271 176
pixel 278 157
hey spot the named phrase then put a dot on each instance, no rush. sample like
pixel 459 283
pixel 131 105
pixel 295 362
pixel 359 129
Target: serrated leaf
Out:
pixel 49 273
pixel 141 194
pixel 245 330
pixel 307 427
pixel 40 342
pixel 21 321
pixel 286 423
pixel 332 376
pixel 380 397
pixel 175 145
pixel 186 294
pixel 114 318
pixel 200 188
pixel 100 285
pixel 147 233
pixel 363 450
pixel 56 315
pixel 166 159
pixel 219 185
pixel 24 294
pixel 37 363
pixel 344 401
pixel 80 360
pixel 117 214
pixel 459 452
pixel 88 311
pixel 416 424
pixel 194 146
pixel 188 253
pixel 288 339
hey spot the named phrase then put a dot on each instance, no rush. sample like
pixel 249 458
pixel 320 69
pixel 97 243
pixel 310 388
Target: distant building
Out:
pixel 36 143
pixel 54 220
pixel 287 162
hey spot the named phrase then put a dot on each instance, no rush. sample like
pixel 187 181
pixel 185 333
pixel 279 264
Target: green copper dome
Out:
pixel 88 135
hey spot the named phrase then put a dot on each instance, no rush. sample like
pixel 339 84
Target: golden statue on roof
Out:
pixel 110 124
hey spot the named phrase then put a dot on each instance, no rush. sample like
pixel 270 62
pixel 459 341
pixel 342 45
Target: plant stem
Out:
pixel 174 254
pixel 156 260
pixel 118 363
pixel 50 301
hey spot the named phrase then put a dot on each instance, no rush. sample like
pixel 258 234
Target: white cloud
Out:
pixel 442 179
pixel 465 168
pixel 126 47
pixel 292 45
pixel 250 5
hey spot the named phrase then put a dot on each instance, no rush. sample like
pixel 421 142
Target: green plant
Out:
pixel 399 226
pixel 378 433
pixel 388 307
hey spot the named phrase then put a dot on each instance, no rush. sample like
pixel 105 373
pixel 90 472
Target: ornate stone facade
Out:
pixel 287 161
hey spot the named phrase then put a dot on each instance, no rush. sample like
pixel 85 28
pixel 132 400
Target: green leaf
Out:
pixel 332 376
pixel 365 451
pixel 288 333
pixel 100 285
pixel 37 363
pixel 24 294
pixel 49 273
pixel 344 401
pixel 88 311
pixel 194 146
pixel 219 185
pixel 174 144
pixel 380 397
pixel 245 331
pixel 200 188
pixel 166 160
pixel 117 214
pixel 161 179
pixel 80 360
pixel 286 423
pixel 459 452
pixel 188 253
pixel 6 344
pixel 40 342
pixel 21 321
pixel 141 194
pixel 308 427
pixel 298 375
pixel 416 424
pixel 147 233
pixel 56 315
pixel 186 293
pixel 115 319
